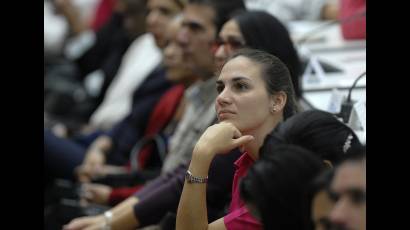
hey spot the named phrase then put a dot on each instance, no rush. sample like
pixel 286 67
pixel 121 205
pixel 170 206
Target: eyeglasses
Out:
pixel 230 43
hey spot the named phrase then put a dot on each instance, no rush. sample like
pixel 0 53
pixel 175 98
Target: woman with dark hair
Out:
pixel 260 30
pixel 255 94
pixel 317 131
pixel 320 132
pixel 274 188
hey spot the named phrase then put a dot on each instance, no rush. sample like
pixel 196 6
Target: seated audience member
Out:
pixel 259 30
pixel 308 130
pixel 141 61
pixel 274 188
pixel 348 192
pixel 249 76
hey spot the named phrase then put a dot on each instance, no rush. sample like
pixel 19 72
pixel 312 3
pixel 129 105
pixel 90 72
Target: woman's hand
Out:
pixel 85 223
pixel 96 193
pixel 92 166
pixel 94 159
pixel 221 138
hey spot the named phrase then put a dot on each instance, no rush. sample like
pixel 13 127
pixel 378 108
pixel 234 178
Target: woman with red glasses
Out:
pixel 258 30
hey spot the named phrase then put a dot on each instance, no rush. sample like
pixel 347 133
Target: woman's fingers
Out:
pixel 242 141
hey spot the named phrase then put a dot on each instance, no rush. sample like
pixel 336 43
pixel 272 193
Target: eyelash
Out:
pixel 241 86
pixel 237 86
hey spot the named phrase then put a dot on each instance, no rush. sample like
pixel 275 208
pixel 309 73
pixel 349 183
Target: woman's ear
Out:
pixel 278 101
pixel 327 164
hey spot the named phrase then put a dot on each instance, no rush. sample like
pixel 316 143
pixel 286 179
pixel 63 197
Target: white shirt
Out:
pixel 138 62
pixel 56 27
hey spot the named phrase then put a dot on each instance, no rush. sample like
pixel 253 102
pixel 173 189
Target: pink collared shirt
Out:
pixel 239 216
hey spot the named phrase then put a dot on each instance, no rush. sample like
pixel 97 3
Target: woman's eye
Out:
pixel 241 86
pixel 165 11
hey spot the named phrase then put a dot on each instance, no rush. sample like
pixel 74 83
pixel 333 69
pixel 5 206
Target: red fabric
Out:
pixel 119 194
pixel 161 115
pixel 163 112
pixel 103 13
pixel 356 27
pixel 239 216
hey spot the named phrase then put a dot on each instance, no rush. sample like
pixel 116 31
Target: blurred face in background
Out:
pixel 177 70
pixel 229 40
pixel 348 191
pixel 160 13
pixel 196 37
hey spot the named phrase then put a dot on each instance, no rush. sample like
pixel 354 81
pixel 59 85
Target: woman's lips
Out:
pixel 225 114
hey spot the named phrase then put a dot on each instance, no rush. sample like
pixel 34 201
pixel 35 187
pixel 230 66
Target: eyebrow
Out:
pixel 349 192
pixel 235 79
pixel 193 25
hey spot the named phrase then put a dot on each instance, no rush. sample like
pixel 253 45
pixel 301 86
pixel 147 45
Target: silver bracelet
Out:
pixel 194 179
pixel 107 218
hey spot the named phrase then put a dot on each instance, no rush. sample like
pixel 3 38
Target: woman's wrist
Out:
pixel 200 162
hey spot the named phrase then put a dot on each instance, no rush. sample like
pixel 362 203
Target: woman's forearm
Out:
pixel 123 215
pixel 192 211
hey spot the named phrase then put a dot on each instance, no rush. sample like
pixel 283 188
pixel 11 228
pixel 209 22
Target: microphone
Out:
pixel 347 105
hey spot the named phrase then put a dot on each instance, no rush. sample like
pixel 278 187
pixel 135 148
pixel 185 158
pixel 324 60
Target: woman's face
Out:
pixel 177 70
pixel 229 39
pixel 243 99
pixel 160 13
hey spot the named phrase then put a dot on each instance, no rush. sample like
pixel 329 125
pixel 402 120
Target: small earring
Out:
pixel 273 110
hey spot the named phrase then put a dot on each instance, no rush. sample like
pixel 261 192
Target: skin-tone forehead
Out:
pixel 172 28
pixel 350 175
pixel 241 67
pixel 231 28
pixel 169 4
pixel 200 14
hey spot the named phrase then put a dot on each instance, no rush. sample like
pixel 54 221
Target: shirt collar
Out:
pixel 244 161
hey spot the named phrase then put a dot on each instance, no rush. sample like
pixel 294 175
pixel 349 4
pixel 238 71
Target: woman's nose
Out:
pixel 340 211
pixel 224 98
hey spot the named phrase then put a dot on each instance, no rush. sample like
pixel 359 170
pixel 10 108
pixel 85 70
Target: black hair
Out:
pixel 320 132
pixel 275 74
pixel 276 185
pixel 224 9
pixel 263 31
